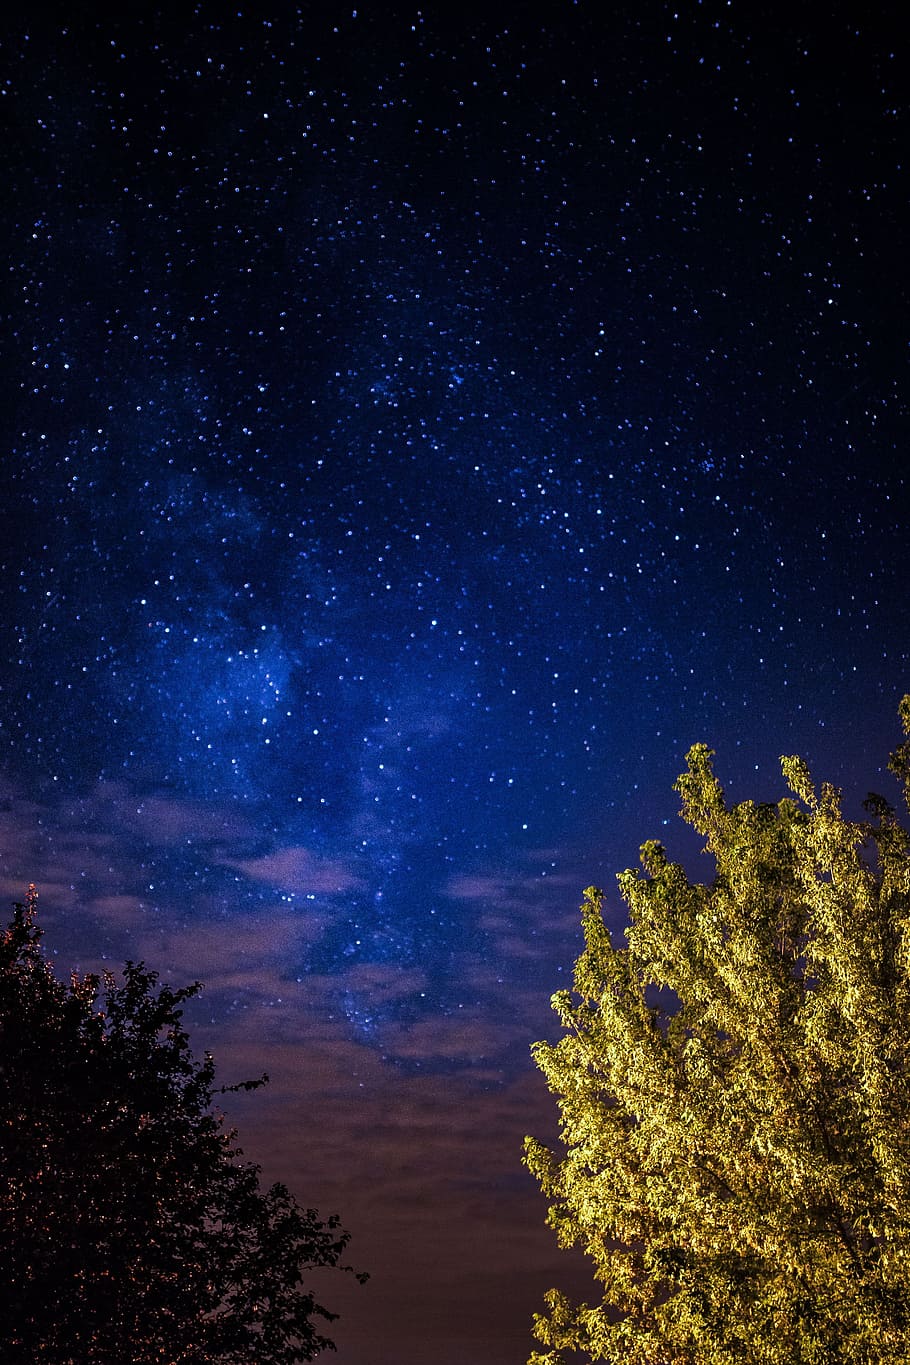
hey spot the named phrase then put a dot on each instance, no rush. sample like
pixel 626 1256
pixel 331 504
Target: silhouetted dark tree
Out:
pixel 131 1231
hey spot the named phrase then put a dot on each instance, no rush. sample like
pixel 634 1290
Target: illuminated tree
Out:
pixel 737 1162
pixel 130 1230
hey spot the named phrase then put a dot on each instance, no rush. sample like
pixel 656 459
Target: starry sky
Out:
pixel 422 426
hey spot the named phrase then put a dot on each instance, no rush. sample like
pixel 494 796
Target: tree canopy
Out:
pixel 131 1231
pixel 734 1089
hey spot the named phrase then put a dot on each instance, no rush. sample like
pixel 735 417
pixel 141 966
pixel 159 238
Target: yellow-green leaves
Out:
pixel 737 1165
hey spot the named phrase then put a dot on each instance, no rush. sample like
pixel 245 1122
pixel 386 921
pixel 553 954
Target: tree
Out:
pixel 130 1230
pixel 734 1088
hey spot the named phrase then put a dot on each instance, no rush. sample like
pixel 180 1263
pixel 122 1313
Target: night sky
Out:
pixel 422 426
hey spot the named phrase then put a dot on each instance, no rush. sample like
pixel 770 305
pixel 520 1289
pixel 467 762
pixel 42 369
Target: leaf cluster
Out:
pixel 737 1164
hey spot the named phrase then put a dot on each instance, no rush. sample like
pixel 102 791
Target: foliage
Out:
pixel 130 1230
pixel 737 1163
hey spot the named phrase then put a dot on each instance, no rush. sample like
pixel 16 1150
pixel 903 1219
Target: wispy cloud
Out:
pixel 296 871
pixel 173 820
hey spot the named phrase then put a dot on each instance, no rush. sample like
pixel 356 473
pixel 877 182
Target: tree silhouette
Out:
pixel 130 1229
pixel 737 1165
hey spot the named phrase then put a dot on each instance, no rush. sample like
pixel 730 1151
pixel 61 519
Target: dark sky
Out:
pixel 426 424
